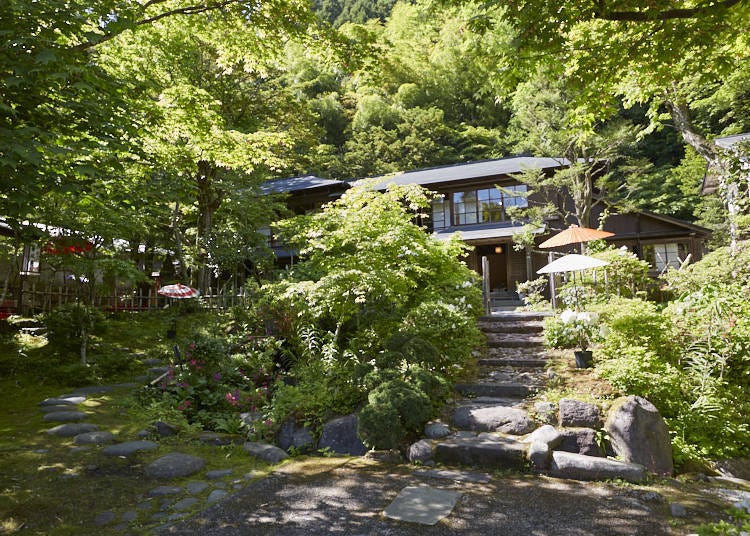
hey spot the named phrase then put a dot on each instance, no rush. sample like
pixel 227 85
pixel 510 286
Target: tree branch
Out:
pixel 668 14
pixel 187 10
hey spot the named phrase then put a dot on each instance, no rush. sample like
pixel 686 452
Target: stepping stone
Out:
pixel 218 473
pixel 72 429
pixel 65 416
pixel 422 504
pixel 53 409
pixel 105 518
pixel 128 448
pixel 500 452
pixel 94 438
pixel 165 490
pixel 76 450
pixel 175 465
pixel 196 486
pixel 456 476
pixel 214 439
pixel 152 362
pixel 63 401
pixel 265 451
pixel 157 371
pixel 216 495
pixel 580 467
pixel 185 504
pixel 436 430
pixel 129 516
pixel 126 385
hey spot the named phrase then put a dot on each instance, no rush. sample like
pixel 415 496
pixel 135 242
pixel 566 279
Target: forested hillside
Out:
pixel 190 111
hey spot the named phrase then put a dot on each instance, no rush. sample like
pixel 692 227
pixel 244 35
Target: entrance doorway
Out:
pixel 497 255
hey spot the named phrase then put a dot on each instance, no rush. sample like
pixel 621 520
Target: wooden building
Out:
pixel 471 204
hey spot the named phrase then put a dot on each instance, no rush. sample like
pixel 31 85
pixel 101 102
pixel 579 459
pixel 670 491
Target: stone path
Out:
pixel 164 503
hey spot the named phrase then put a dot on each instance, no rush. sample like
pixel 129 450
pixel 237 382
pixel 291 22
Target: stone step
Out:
pixel 515 316
pixel 481 451
pixel 526 376
pixel 532 326
pixel 496 390
pixel 519 362
pixel 515 342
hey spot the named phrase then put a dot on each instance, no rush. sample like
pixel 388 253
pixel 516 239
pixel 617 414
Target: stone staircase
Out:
pixel 493 409
pixel 491 427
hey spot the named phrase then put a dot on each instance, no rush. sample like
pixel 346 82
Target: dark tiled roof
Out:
pixel 293 184
pixel 483 231
pixel 470 170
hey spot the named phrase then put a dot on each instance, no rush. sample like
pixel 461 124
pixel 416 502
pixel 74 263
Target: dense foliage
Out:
pixel 690 359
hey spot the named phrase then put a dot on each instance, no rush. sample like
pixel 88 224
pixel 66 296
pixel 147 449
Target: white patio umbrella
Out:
pixel 572 263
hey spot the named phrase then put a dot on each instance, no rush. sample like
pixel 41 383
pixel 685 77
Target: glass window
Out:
pixel 516 196
pixel 440 213
pixel 662 256
pixel 465 207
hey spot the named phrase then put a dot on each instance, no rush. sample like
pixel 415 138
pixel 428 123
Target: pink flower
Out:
pixel 216 376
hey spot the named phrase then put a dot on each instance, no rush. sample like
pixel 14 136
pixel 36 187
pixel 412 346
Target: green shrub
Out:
pixel 379 426
pixel 67 323
pixel 715 268
pixel 435 386
pixel 412 405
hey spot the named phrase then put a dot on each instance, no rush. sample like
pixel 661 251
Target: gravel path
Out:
pixel 349 499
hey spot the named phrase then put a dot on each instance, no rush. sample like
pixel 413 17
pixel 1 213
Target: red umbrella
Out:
pixel 178 291
pixel 574 235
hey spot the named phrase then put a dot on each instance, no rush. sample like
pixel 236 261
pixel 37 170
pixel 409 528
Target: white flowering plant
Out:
pixel 572 329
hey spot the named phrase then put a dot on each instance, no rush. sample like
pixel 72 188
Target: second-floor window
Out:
pixel 486 205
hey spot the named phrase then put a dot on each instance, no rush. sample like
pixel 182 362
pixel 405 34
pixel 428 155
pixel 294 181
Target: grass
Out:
pixel 48 487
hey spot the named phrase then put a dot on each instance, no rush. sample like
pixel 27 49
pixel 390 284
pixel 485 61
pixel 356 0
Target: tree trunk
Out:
pixel 84 345
pixel 209 201
pixel 181 273
pixel 717 165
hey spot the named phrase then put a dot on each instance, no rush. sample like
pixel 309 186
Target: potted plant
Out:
pixel 574 330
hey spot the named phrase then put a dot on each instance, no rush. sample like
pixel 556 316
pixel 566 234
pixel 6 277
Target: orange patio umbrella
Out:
pixel 574 235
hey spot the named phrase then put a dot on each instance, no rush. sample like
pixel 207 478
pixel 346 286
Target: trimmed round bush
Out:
pixel 379 426
pixel 413 406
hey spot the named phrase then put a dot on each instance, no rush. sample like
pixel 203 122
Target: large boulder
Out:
pixel 579 441
pixel 300 437
pixel 579 414
pixel 503 419
pixel 546 434
pixel 639 434
pixel 340 437
pixel 579 467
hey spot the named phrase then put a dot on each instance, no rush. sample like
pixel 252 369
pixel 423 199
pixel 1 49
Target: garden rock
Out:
pixel 218 473
pixel 639 434
pixel 217 440
pixel 72 429
pixel 734 468
pixel 94 438
pixel 385 456
pixel 545 412
pixel 65 416
pixel 503 419
pixel 539 454
pixel 340 436
pixel 63 401
pixel 197 486
pixel 164 429
pixel 578 414
pixel 291 435
pixel 265 451
pixel 436 430
pixel 105 518
pixel 546 434
pixel 580 467
pixel 216 495
pixel 677 510
pixel 421 451
pixel 175 465
pixel 580 441
pixel 128 448
pixel 185 504
pixel 165 490
pixel 500 452
pixel 52 409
